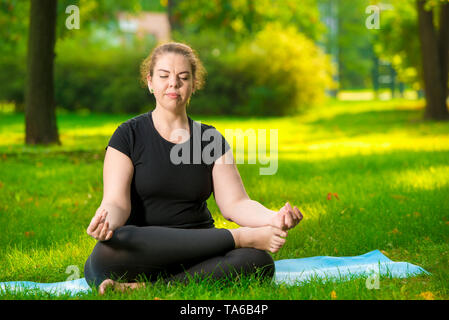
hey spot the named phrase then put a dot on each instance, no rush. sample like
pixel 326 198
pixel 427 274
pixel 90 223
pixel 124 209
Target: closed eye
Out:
pixel 167 77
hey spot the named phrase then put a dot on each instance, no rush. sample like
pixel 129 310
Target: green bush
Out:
pixel 12 80
pixel 277 72
pixel 100 78
pixel 287 72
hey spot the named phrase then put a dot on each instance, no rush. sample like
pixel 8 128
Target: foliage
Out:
pixel 355 53
pixel 100 75
pixel 283 72
pixel 13 26
pixel 399 42
pixel 242 18
pixel 277 71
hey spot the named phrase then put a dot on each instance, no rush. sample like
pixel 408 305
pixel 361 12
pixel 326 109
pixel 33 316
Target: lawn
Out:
pixel 389 168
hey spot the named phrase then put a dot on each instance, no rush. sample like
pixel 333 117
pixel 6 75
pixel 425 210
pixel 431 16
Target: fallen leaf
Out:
pixel 427 295
pixel 394 231
pixel 333 295
pixel 29 233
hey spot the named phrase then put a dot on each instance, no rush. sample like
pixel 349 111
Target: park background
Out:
pixel 359 100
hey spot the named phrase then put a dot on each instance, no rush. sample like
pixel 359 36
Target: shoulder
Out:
pixel 204 127
pixel 136 122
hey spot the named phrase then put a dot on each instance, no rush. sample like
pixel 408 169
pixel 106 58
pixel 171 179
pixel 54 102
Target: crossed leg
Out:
pixel 176 254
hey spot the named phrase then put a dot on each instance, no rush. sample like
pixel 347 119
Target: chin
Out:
pixel 173 106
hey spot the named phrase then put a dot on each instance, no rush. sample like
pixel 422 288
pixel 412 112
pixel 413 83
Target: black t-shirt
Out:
pixel 168 188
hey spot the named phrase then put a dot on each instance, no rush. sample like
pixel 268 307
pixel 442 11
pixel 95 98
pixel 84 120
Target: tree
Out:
pixel 435 57
pixel 173 15
pixel 40 117
pixel 40 113
pixel 349 41
pixel 240 18
pixel 416 42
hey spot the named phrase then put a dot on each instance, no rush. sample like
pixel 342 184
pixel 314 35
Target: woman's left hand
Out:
pixel 287 217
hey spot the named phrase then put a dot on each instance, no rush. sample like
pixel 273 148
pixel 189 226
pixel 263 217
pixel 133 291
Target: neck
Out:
pixel 170 118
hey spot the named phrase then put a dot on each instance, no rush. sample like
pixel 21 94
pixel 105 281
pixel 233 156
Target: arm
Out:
pixel 231 197
pixel 117 175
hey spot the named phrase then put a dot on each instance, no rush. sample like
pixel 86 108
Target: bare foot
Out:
pixel 264 238
pixel 118 285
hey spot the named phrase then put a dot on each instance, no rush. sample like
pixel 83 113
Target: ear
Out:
pixel 149 82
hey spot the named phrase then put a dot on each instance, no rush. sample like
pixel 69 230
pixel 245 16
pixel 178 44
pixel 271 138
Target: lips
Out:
pixel 172 95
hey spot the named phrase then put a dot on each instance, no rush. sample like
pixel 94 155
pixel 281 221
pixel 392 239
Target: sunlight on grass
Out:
pixel 426 179
pixel 47 264
pixel 388 167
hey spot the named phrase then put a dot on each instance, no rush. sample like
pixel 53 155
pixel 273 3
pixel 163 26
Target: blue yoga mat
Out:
pixel 288 271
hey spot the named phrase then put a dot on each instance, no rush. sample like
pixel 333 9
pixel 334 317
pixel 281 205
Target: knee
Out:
pixel 258 261
pixel 93 278
pixel 264 261
pixel 95 268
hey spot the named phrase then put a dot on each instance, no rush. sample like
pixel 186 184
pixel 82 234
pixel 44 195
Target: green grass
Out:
pixel 389 168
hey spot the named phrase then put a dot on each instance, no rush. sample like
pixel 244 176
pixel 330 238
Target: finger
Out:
pixel 299 213
pixel 96 233
pixel 296 213
pixel 94 223
pixel 109 236
pixel 286 221
pixel 104 215
pixel 290 221
pixel 104 231
pixel 293 212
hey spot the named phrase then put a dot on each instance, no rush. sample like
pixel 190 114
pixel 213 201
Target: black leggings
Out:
pixel 173 254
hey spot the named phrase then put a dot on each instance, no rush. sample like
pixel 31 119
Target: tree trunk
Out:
pixel 444 44
pixel 435 90
pixel 173 15
pixel 40 114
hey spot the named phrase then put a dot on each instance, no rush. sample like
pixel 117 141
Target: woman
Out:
pixel 153 219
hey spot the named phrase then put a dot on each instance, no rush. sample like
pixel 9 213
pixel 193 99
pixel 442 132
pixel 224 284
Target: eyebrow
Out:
pixel 169 71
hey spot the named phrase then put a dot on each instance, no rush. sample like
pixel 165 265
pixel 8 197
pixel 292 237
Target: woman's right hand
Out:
pixel 99 227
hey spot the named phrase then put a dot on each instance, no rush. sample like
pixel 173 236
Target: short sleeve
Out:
pixel 122 140
pixel 216 145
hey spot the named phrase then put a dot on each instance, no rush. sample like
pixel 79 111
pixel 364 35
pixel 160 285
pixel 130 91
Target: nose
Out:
pixel 172 81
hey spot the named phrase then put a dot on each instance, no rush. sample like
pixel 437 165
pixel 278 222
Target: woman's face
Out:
pixel 172 81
